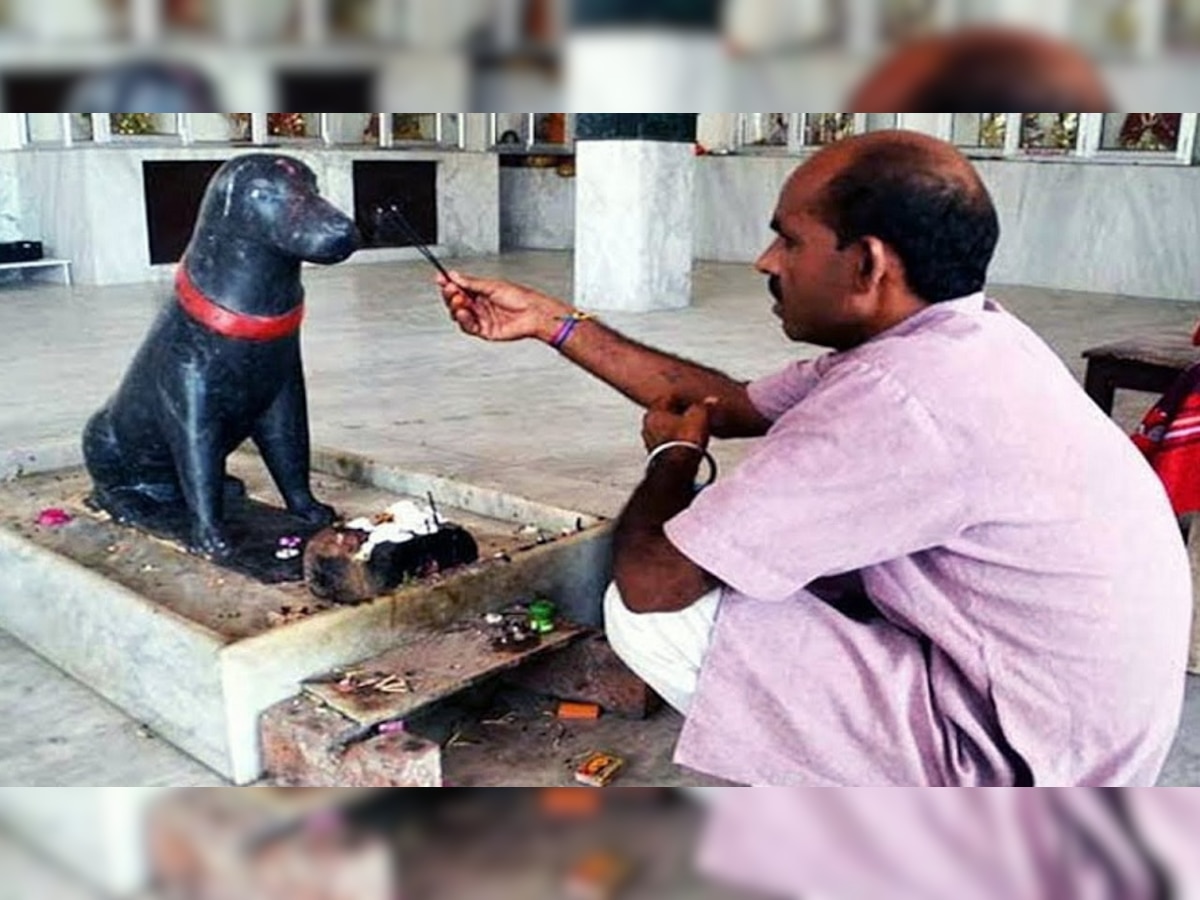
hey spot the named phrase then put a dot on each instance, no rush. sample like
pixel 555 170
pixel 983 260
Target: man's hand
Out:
pixel 671 420
pixel 500 310
pixel 651 574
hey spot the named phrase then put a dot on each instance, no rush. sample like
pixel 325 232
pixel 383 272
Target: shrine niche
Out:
pixel 1049 132
pixel 793 132
pixel 439 128
pixel 550 128
pixel 1142 132
pixel 293 125
pixel 279 125
pixel 984 131
pixel 220 128
pixel 765 130
pixel 143 124
pixel 821 129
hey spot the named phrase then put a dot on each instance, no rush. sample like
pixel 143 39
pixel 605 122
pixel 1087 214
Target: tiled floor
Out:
pixel 389 377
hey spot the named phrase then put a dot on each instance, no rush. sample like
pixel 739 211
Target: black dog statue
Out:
pixel 222 361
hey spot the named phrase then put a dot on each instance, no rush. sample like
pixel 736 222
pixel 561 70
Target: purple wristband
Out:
pixel 570 323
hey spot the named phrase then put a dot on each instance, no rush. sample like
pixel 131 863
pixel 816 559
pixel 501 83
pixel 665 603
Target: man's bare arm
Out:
pixel 502 311
pixel 648 377
pixel 651 575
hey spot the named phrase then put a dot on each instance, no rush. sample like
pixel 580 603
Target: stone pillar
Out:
pixel 633 211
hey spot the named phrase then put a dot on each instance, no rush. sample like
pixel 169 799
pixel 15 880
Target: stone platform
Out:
pixel 198 653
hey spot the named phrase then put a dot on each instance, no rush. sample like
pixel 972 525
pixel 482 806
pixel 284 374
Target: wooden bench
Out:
pixel 1150 363
pixel 64 265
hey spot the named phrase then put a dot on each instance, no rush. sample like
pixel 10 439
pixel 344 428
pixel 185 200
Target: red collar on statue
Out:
pixel 232 324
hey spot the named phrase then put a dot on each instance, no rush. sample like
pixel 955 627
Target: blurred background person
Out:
pixel 986 68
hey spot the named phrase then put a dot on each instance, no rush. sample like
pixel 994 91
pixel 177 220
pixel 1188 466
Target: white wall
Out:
pixel 1114 229
pixel 1105 228
pixel 87 204
pixel 1080 226
pixel 537 209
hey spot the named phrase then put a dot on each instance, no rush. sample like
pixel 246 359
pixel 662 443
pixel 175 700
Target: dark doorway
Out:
pixel 173 193
pixel 409 186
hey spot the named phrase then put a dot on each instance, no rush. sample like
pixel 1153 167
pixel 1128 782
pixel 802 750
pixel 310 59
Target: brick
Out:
pixel 207 845
pixel 297 736
pixel 589 671
pixel 578 711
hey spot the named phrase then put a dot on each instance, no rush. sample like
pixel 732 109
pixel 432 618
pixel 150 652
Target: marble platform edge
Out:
pixel 50 457
pixel 204 693
pixel 16 546
pixel 91 628
pixel 488 502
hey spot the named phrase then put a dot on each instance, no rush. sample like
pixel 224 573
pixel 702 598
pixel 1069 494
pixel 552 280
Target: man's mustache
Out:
pixel 775 287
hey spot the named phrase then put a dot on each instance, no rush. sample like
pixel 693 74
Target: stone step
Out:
pixel 349 728
pixel 419 673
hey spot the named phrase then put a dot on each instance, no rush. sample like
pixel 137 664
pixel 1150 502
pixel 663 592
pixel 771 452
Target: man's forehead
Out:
pixel 801 192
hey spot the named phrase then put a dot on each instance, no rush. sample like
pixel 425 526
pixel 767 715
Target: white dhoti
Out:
pixel 665 650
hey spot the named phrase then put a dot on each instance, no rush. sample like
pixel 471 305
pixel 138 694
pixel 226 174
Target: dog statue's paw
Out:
pixel 211 543
pixel 316 513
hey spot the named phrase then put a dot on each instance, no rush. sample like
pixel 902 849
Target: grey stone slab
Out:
pixel 198 653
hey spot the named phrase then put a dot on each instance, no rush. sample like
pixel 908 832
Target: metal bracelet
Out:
pixel 708 458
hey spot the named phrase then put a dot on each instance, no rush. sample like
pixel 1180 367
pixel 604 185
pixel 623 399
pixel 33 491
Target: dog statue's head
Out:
pixel 273 201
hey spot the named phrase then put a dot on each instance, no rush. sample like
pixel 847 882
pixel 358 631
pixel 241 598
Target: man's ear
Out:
pixel 872 263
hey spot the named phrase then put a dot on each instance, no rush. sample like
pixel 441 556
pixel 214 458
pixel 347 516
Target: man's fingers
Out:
pixel 452 294
pixel 469 285
pixel 466 320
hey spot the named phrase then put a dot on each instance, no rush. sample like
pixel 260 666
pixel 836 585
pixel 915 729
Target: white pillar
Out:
pixel 717 131
pixel 633 224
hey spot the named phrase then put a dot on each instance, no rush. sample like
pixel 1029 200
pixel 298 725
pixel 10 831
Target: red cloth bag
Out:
pixel 1169 437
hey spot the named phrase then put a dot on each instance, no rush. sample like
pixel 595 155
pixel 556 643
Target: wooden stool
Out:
pixel 1150 363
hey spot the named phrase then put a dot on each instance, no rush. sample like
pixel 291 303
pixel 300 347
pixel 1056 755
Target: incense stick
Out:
pixel 393 212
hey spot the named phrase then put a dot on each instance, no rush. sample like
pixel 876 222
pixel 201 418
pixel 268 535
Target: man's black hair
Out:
pixel 943 226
